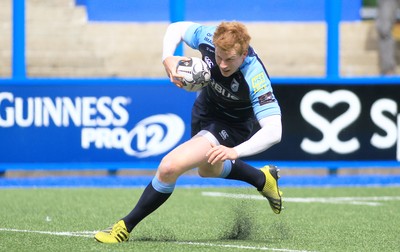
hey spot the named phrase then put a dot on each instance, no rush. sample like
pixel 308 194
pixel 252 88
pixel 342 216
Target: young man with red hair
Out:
pixel 223 116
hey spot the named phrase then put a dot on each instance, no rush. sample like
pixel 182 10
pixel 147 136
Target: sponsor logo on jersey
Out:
pixel 210 49
pixel 223 91
pixel 259 82
pixel 266 98
pixel 208 38
pixel 208 61
pixel 224 135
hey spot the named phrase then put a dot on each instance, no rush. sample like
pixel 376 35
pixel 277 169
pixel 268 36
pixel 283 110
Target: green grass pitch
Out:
pixel 204 219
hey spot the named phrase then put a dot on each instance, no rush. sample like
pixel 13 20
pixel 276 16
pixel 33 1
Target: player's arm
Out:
pixel 269 135
pixel 266 110
pixel 173 36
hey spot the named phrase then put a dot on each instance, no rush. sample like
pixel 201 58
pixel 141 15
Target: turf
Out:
pixel 192 221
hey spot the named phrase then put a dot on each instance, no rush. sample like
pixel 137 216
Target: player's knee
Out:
pixel 168 169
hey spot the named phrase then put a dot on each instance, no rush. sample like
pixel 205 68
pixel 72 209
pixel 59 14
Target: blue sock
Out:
pixel 162 187
pixel 154 195
pixel 244 172
pixel 226 169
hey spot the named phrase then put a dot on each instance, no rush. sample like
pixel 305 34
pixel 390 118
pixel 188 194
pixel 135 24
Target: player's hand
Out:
pixel 170 64
pixel 221 153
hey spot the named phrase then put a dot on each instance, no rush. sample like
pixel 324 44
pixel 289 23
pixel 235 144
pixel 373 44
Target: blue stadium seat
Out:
pixel 256 10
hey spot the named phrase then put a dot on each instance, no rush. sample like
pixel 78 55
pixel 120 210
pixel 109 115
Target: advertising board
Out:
pixel 330 122
pixel 126 123
pixel 86 122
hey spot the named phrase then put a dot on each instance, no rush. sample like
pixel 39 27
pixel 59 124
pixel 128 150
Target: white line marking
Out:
pixel 239 246
pixel 77 234
pixel 368 201
pixel 90 234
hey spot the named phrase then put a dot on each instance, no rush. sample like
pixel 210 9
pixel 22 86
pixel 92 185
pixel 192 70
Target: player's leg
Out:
pixel 265 179
pixel 183 158
pixel 235 170
pixel 229 169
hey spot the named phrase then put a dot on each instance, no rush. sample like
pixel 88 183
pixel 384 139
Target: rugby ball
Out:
pixel 195 73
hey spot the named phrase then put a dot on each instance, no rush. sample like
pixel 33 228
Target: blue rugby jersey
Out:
pixel 236 98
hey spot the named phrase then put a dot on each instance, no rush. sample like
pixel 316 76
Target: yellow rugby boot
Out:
pixel 271 190
pixel 116 233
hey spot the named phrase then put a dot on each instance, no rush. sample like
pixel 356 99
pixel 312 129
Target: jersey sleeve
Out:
pixel 261 94
pixel 198 34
